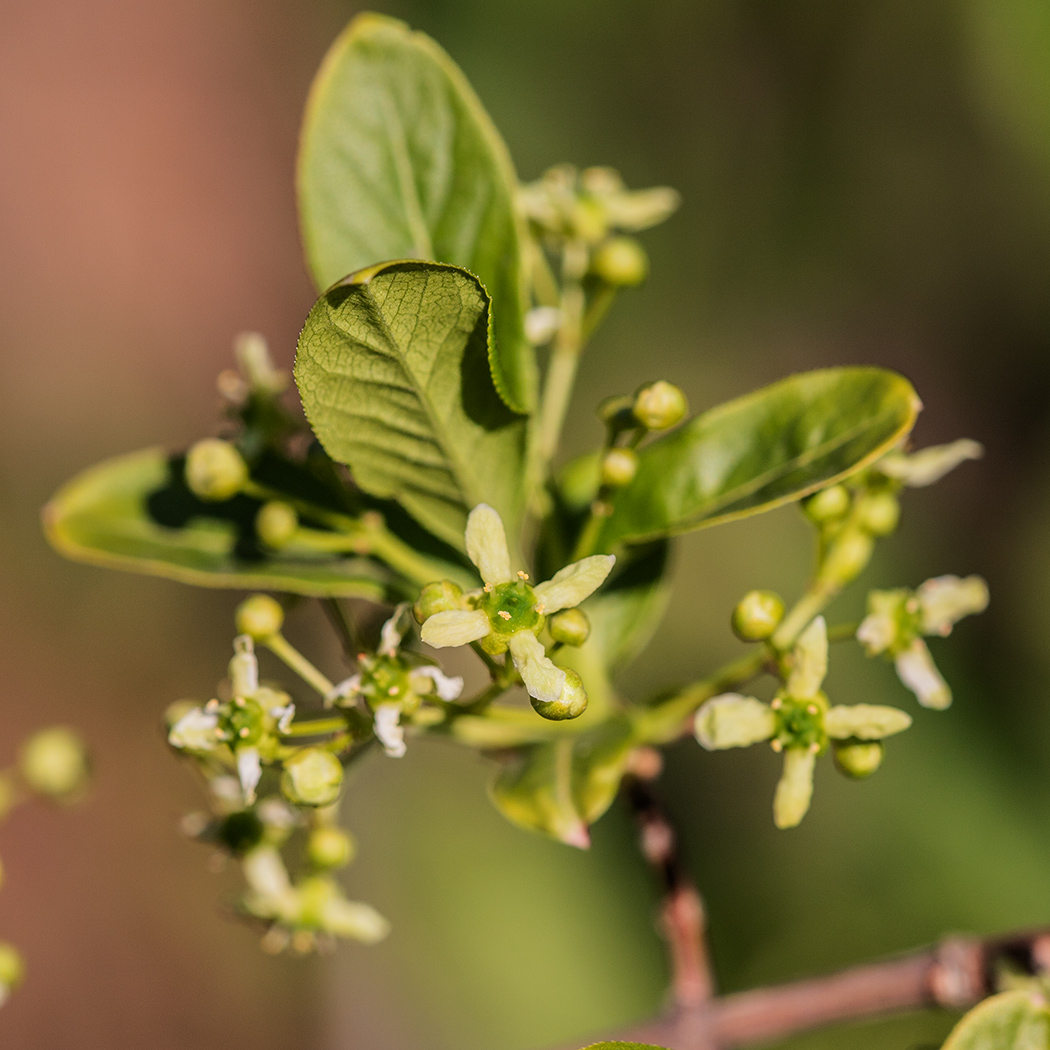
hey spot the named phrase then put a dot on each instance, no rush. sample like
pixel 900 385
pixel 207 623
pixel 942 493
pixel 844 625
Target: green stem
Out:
pixel 843 632
pixel 284 650
pixel 810 605
pixel 318 727
pixel 343 625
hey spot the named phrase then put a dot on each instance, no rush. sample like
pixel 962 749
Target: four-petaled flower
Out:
pixel 509 612
pixel 897 620
pixel 798 722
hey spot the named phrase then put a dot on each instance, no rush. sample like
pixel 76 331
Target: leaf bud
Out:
pixel 437 597
pixel 619 466
pixel 330 847
pixel 660 405
pixel 276 523
pixel 313 777
pixel 570 626
pixel 621 262
pixel 827 505
pixel 858 761
pixel 260 617
pixel 12 969
pixel 571 703
pixel 757 615
pixel 215 470
pixel 879 513
pixel 54 762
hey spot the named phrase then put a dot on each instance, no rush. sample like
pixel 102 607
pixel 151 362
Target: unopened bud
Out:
pixel 276 523
pixel 54 762
pixel 330 848
pixel 12 969
pixel 215 470
pixel 757 615
pixel 827 505
pixel 847 558
pixel 570 626
pixel 313 777
pixel 435 598
pixel 571 703
pixel 260 617
pixel 619 466
pixel 879 513
pixel 621 262
pixel 858 761
pixel 660 405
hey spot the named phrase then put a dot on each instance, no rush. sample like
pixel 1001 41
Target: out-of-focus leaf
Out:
pixel 623 1046
pixel 392 370
pixel 771 447
pixel 113 514
pixel 1016 1020
pixel 399 160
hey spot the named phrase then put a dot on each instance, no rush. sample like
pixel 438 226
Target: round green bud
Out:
pixel 54 762
pixel 660 405
pixel 827 505
pixel 757 615
pixel 619 466
pixel 241 831
pixel 571 703
pixel 494 643
pixel 570 626
pixel 12 968
pixel 621 262
pixel 847 557
pixel 313 777
pixel 437 597
pixel 260 617
pixel 215 470
pixel 276 523
pixel 858 760
pixel 879 513
pixel 329 848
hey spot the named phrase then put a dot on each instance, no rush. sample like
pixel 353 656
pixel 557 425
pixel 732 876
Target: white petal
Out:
pixel 876 633
pixel 455 627
pixel 542 679
pixel 945 600
pixel 352 919
pixel 919 673
pixel 732 720
pixel 795 789
pixel 811 661
pixel 865 722
pixel 249 769
pixel 575 582
pixel 447 688
pixel 276 813
pixel 284 716
pixel 389 731
pixel 347 689
pixel 487 544
pixel 195 731
pixel 244 668
pixel 929 464
pixel 392 632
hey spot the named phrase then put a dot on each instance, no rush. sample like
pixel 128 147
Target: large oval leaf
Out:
pixel 398 160
pixel 1016 1020
pixel 392 371
pixel 103 516
pixel 773 446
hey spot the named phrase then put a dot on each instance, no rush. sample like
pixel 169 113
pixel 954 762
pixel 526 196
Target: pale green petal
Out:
pixel 945 600
pixel 811 661
pixel 361 922
pixel 795 789
pixel 919 673
pixel 195 731
pixel 455 627
pixel 877 633
pixel 388 729
pixel 732 720
pixel 865 722
pixel 574 583
pixel 487 544
pixel 930 464
pixel 542 679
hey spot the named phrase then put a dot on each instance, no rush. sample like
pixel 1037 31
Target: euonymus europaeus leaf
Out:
pixel 773 446
pixel 399 160
pixel 623 1046
pixel 130 513
pixel 1017 1020
pixel 392 370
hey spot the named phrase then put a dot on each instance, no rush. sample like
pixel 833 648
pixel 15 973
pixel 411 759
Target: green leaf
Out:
pixel 108 515
pixel 1017 1020
pixel 399 160
pixel 392 372
pixel 623 1046
pixel 771 447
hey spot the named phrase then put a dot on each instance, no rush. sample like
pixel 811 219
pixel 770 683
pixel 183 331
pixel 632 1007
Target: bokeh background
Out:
pixel 862 182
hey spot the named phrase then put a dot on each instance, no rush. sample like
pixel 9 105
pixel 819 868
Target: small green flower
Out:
pixel 798 722
pixel 509 612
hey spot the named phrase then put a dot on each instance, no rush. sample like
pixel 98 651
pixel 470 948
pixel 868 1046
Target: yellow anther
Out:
pixel 212 705
pixel 393 690
pixel 244 731
pixel 814 747
pixel 540 608
pixel 522 574
pixel 777 704
pixel 504 615
pixel 488 588
pixel 812 709
pixel 776 745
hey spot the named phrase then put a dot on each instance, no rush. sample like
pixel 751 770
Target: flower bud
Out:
pixel 621 262
pixel 619 466
pixel 570 626
pixel 879 513
pixel 659 405
pixel 437 597
pixel 571 703
pixel 847 558
pixel 12 969
pixel 276 523
pixel 215 470
pixel 329 848
pixel 260 617
pixel 54 762
pixel 827 505
pixel 757 615
pixel 858 761
pixel 313 777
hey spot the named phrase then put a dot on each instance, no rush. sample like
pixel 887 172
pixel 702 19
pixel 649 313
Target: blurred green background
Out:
pixel 862 182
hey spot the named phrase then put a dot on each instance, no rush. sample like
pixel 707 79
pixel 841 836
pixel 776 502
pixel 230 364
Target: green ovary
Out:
pixel 800 723
pixel 511 607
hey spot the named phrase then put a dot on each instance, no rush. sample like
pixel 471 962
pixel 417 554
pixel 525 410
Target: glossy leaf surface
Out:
pixel 392 370
pixel 1017 1020
pixel 770 447
pixel 398 160
pixel 623 1046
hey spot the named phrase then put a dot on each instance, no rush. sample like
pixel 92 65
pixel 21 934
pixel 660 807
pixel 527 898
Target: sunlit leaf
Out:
pixel 1017 1020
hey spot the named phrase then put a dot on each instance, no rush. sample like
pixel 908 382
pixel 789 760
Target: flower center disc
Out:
pixel 800 723
pixel 511 607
